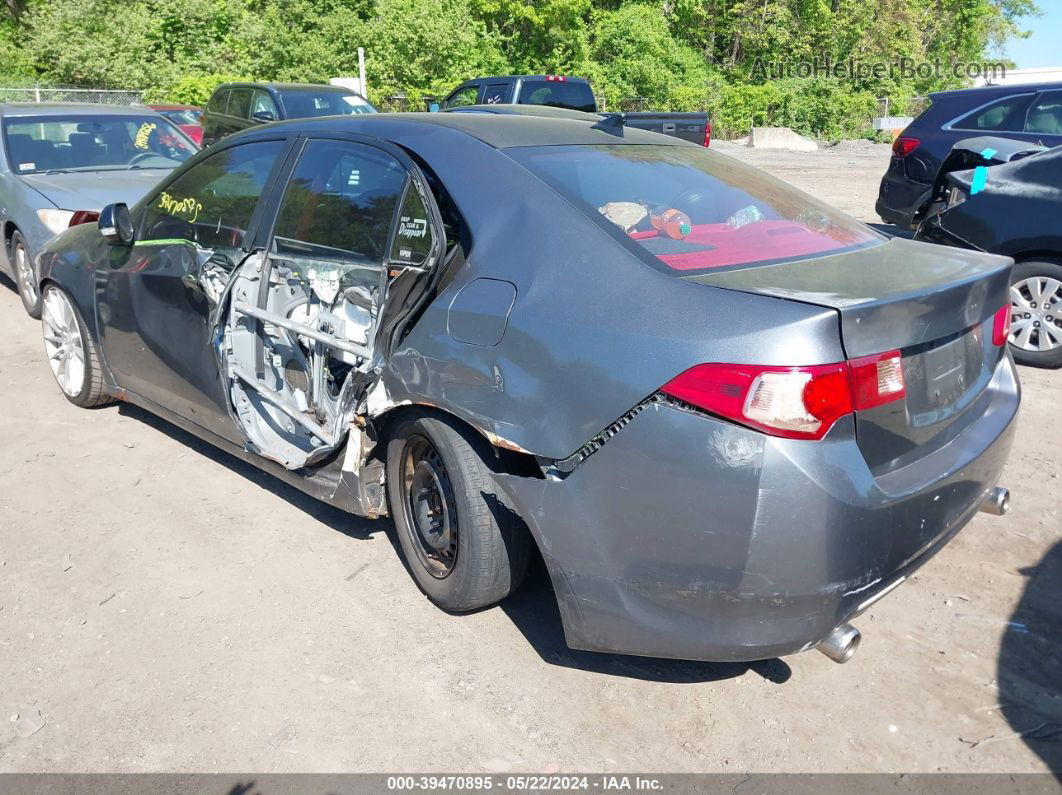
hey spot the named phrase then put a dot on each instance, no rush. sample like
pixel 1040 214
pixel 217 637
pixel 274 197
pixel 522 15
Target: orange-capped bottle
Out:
pixel 673 223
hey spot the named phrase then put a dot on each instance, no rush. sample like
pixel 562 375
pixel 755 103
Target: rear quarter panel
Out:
pixel 593 330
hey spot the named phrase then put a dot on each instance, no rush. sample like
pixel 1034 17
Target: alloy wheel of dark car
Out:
pixel 1036 314
pixel 72 354
pixel 25 276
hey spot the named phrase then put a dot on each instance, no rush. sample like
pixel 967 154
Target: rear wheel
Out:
pixel 71 352
pixel 1036 313
pixel 25 275
pixel 463 546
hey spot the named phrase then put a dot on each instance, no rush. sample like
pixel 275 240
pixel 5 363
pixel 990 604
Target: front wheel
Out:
pixel 25 275
pixel 1036 314
pixel 71 351
pixel 465 548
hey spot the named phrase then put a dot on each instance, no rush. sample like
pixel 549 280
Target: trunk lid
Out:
pixel 934 304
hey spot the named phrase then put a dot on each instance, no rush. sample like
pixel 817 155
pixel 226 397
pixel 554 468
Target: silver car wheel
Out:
pixel 63 342
pixel 1036 314
pixel 27 279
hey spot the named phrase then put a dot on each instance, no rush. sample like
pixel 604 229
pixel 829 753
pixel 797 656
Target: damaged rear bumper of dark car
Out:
pixel 685 536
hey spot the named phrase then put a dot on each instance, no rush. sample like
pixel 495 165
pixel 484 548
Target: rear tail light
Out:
pixel 707 132
pixel 877 380
pixel 555 78
pixel 1001 326
pixel 903 146
pixel 791 402
pixel 84 217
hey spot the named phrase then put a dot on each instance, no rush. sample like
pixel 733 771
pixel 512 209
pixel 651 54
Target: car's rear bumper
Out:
pixel 932 230
pixel 900 198
pixel 686 536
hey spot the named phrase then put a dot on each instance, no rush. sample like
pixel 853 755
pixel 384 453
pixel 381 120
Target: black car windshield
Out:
pixel 97 142
pixel 307 104
pixel 686 210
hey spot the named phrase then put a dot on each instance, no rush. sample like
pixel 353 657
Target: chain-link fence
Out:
pixel 53 94
pixel 907 106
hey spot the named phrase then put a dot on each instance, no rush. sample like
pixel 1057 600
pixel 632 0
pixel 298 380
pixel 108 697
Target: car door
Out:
pixel 239 110
pixel 214 118
pixel 354 244
pixel 467 94
pixel 156 303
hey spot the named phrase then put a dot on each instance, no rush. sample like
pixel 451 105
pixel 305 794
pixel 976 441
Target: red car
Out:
pixel 187 117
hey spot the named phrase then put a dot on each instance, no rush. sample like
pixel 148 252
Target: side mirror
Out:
pixel 116 224
pixel 434 107
pixel 262 116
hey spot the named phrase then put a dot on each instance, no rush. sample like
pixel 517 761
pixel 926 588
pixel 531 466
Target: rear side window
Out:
pixel 1045 116
pixel 557 94
pixel 211 204
pixel 495 93
pixel 413 237
pixel 217 102
pixel 340 202
pixel 686 210
pixel 1005 114
pixel 240 103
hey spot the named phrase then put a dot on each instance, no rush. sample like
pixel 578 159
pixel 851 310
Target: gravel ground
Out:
pixel 164 607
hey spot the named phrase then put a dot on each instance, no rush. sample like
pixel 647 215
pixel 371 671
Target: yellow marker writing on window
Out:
pixel 188 209
pixel 143 134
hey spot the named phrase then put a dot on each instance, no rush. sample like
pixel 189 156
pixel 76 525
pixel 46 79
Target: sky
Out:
pixel 1042 47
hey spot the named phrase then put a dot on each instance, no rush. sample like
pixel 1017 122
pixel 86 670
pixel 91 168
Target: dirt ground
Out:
pixel 164 607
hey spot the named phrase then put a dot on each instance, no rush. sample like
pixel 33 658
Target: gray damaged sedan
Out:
pixel 60 163
pixel 729 417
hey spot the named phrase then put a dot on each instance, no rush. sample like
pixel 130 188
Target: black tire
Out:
pixel 25 276
pixel 1023 272
pixel 488 560
pixel 90 392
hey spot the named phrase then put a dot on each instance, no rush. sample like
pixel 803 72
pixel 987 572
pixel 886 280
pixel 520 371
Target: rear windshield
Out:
pixel 93 143
pixel 687 210
pixel 557 94
pixel 307 104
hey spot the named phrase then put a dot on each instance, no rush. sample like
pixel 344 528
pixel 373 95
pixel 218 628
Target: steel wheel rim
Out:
pixel 1036 314
pixel 63 343
pixel 428 502
pixel 27 281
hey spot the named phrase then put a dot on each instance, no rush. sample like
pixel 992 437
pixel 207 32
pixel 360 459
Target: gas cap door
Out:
pixel 479 312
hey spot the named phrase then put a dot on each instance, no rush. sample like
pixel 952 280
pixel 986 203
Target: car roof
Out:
pixel 68 108
pixel 498 130
pixel 564 78
pixel 527 110
pixel 289 87
pixel 173 107
pixel 1019 88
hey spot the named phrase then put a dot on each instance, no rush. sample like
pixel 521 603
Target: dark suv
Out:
pixel 237 106
pixel 1024 112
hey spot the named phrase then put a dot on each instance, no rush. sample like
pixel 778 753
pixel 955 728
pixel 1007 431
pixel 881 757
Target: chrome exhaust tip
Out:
pixel 997 501
pixel 841 644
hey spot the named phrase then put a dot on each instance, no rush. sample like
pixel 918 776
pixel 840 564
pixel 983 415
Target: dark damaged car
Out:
pixel 1006 198
pixel 729 417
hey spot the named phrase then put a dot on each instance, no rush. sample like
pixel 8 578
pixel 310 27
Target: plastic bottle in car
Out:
pixel 744 216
